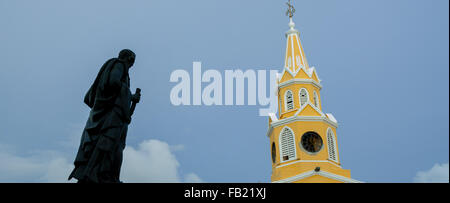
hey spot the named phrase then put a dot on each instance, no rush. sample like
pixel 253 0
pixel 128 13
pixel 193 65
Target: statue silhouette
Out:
pixel 99 156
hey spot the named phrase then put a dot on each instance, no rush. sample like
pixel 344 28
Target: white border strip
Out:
pixel 321 173
pixel 302 118
pixel 306 161
pixel 298 118
pixel 300 81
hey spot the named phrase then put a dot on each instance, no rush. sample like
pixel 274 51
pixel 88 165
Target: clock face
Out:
pixel 311 142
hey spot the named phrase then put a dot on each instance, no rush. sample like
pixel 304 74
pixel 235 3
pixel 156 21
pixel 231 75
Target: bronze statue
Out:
pixel 99 156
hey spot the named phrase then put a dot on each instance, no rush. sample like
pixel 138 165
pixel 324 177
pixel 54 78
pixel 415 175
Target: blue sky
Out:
pixel 384 67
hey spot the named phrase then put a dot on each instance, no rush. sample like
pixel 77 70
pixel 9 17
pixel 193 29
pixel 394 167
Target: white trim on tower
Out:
pixel 308 161
pixel 300 81
pixel 320 173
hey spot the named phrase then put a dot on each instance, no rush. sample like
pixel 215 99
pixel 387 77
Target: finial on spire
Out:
pixel 291 10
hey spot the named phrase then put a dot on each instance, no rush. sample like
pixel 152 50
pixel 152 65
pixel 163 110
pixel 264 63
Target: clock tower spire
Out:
pixel 303 139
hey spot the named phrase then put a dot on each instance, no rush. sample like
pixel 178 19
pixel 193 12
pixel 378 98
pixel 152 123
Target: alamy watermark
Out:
pixel 212 93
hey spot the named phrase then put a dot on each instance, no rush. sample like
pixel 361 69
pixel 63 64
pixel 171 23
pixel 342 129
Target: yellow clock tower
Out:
pixel 303 139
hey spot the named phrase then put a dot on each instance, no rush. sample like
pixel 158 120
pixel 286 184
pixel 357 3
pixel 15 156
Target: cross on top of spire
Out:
pixel 291 10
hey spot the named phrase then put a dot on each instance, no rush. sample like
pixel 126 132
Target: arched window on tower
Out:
pixel 289 100
pixel 316 99
pixel 332 152
pixel 303 96
pixel 274 152
pixel 287 143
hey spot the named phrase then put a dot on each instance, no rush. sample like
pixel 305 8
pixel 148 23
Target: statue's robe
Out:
pixel 99 156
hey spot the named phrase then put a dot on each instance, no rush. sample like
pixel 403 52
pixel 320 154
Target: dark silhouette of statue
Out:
pixel 99 156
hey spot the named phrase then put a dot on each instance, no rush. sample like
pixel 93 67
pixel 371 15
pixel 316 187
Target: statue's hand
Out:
pixel 136 97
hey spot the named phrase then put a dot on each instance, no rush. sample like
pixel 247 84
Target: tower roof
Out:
pixel 295 56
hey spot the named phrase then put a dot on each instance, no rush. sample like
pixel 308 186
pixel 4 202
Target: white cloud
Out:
pixel 192 178
pixel 152 161
pixel 57 171
pixel 42 167
pixel 438 174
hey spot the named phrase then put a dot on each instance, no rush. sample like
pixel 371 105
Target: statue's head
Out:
pixel 128 57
